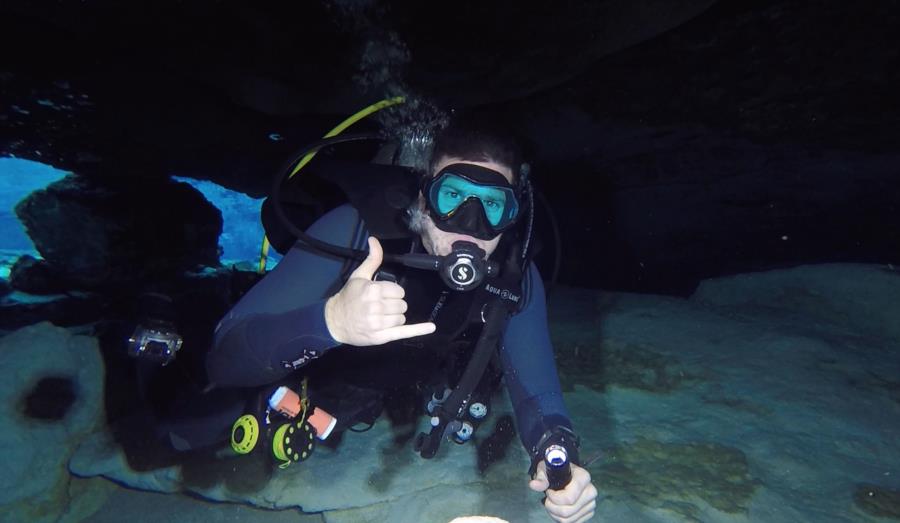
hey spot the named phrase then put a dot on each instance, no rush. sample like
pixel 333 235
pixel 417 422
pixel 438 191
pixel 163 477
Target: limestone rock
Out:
pixel 28 274
pixel 50 400
pixel 862 298
pixel 102 233
pixel 878 501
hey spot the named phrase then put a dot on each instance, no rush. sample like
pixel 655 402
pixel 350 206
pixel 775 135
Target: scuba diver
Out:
pixel 461 307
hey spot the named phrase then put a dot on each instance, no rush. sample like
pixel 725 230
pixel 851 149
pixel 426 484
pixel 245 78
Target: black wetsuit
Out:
pixel 279 327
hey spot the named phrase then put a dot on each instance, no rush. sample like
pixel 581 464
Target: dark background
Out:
pixel 675 141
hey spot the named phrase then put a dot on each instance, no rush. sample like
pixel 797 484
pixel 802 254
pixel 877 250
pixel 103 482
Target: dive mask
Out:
pixel 469 199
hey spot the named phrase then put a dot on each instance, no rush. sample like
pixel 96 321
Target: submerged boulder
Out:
pixel 101 233
pixel 34 276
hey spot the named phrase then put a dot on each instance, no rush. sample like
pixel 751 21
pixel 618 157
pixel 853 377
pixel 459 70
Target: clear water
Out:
pixel 242 231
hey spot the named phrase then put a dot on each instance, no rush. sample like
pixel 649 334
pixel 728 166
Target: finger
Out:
pixel 394 307
pixel 389 321
pixel 562 507
pixel 585 513
pixel 563 513
pixel 540 482
pixel 370 265
pixel 576 490
pixel 567 496
pixel 389 289
pixel 586 504
pixel 582 514
pixel 404 331
pixel 538 486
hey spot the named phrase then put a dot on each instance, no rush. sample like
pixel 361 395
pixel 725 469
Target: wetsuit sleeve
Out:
pixel 530 369
pixel 279 324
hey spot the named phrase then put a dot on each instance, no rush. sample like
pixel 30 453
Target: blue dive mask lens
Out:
pixel 456 184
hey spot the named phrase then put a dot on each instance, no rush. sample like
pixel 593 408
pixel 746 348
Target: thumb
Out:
pixel 540 483
pixel 372 262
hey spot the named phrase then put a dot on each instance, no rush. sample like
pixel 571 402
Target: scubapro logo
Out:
pixel 462 274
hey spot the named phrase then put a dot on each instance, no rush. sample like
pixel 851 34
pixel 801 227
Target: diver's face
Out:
pixel 440 242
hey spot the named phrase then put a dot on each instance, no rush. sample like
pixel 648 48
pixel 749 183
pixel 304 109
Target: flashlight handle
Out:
pixel 559 475
pixel 559 472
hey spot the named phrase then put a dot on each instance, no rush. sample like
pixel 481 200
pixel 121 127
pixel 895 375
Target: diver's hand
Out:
pixel 366 312
pixel 573 504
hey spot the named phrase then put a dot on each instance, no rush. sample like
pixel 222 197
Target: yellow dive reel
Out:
pixel 288 426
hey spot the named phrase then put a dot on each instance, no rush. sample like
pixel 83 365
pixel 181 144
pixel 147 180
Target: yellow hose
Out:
pixel 341 127
pixel 347 123
pixel 263 255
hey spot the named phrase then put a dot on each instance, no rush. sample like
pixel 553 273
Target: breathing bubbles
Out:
pixel 413 125
pixel 381 70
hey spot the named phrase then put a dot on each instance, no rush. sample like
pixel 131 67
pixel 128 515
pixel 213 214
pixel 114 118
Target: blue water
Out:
pixel 242 231
pixel 18 178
